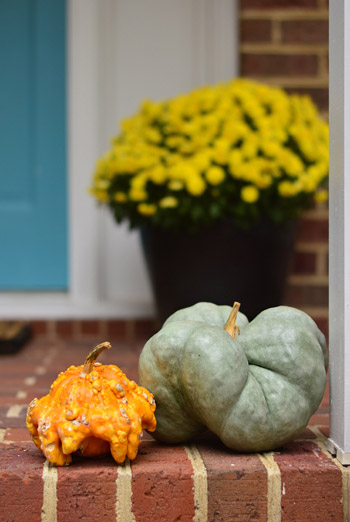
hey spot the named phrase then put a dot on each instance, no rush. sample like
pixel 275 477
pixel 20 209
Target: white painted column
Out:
pixel 339 259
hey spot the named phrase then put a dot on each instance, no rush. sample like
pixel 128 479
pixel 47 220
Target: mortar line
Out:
pixel 284 15
pixel 49 506
pixel 2 434
pixel 123 506
pixel 273 487
pixel 200 483
pixel 21 394
pixel 15 411
pixel 275 47
pixel 30 381
pixel 40 370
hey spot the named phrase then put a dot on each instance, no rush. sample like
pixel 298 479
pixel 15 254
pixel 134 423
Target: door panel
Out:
pixel 33 209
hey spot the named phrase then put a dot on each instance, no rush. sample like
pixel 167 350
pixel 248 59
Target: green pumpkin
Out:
pixel 256 390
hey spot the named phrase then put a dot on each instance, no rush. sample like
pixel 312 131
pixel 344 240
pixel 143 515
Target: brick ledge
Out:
pixel 202 481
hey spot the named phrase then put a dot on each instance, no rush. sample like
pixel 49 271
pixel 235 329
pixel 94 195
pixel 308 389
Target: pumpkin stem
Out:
pixel 91 358
pixel 231 327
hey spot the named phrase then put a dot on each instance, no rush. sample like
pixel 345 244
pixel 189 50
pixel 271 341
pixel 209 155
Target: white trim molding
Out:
pixel 339 216
pixel 120 52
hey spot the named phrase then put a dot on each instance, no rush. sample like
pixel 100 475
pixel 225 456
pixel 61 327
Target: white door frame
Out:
pixel 92 93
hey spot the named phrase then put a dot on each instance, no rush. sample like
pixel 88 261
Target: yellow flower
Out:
pixel 191 128
pixel 195 185
pixel 270 148
pixel 290 162
pixel 100 195
pixel 202 160
pixel 249 194
pixel 216 138
pixel 168 202
pixel 234 130
pixel 150 109
pixel 146 209
pixel 153 135
pixel 309 183
pixel 120 197
pixel 235 163
pixel 173 142
pixel 137 194
pixel 175 184
pixel 263 180
pixel 289 189
pixel 249 148
pixel 102 184
pixel 321 196
pixel 221 150
pixel 215 175
pixel 157 175
pixel 139 182
pixel 249 171
pixel 187 147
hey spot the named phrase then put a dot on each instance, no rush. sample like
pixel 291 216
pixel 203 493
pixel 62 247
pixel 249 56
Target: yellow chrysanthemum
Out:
pixel 250 194
pixel 250 146
pixel 120 197
pixel 215 175
pixel 100 195
pixel 153 135
pixel 176 185
pixel 137 194
pixel 289 189
pixel 168 202
pixel 221 150
pixel 102 184
pixel 146 209
pixel 202 160
pixel 138 182
pixel 321 196
pixel 158 174
pixel 195 185
pixel 216 138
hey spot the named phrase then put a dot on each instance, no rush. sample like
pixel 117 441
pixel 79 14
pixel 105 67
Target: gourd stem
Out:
pixel 231 327
pixel 91 358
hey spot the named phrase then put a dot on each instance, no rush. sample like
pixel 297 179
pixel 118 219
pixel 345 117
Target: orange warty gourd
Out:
pixel 92 410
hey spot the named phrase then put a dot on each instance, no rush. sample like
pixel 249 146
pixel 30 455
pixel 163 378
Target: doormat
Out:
pixel 13 335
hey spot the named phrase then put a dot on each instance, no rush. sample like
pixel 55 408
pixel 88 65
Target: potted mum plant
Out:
pixel 215 180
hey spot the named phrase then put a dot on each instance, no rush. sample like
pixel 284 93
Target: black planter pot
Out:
pixel 220 264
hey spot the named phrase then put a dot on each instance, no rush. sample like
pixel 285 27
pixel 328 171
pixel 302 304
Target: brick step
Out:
pixel 201 481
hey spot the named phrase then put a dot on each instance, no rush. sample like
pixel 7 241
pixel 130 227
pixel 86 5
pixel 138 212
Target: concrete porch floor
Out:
pixel 202 481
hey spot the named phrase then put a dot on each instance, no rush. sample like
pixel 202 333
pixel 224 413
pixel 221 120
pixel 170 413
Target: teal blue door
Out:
pixel 33 209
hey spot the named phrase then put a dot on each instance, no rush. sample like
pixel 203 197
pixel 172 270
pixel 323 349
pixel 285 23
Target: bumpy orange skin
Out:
pixel 91 414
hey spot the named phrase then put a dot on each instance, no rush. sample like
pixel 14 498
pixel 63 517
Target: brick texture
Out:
pixel 158 494
pixel 256 30
pixel 305 32
pixel 267 65
pixel 21 483
pixel 94 491
pixel 304 263
pixel 300 495
pixel 237 484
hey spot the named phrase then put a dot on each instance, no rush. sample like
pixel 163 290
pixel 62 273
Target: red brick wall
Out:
pixel 285 43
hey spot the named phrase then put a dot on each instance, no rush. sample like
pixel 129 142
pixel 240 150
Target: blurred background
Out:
pixel 71 71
